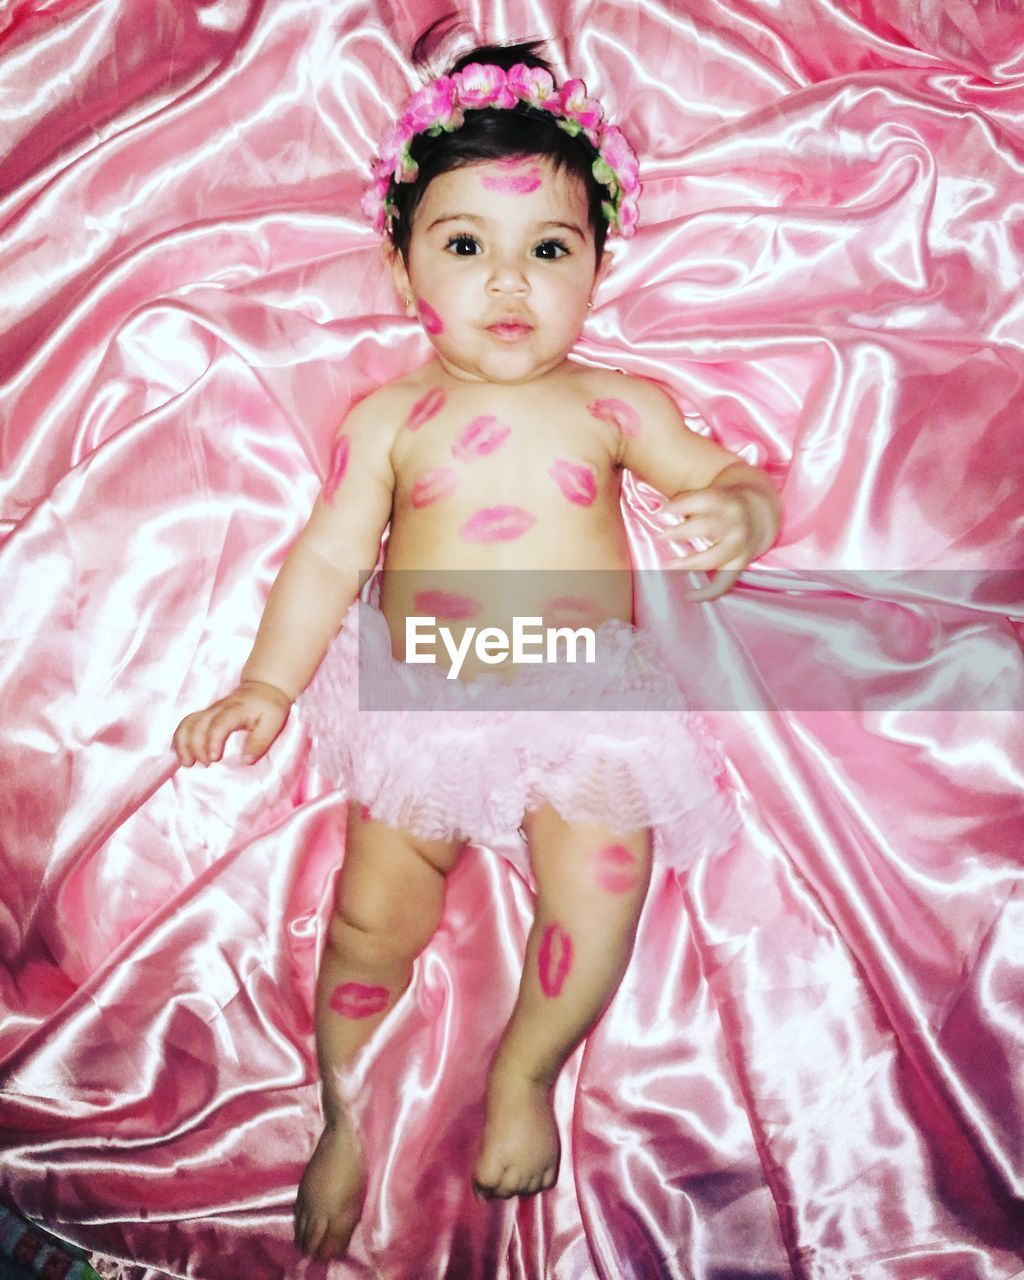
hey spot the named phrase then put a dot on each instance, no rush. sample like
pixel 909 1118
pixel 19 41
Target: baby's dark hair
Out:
pixel 494 135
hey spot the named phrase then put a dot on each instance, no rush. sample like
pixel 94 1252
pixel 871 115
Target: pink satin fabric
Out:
pixel 814 1067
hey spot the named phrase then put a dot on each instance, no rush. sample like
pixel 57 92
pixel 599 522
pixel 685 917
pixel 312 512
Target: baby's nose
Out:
pixel 508 277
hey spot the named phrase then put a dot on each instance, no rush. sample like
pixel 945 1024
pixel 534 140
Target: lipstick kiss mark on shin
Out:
pixel 576 481
pixel 354 1000
pixel 497 524
pixel 554 960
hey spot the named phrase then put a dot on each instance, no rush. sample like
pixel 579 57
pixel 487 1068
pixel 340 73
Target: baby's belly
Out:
pixel 521 591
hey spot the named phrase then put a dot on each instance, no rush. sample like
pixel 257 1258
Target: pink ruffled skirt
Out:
pixel 611 742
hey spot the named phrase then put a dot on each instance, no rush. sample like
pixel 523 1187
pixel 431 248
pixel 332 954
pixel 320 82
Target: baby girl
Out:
pixel 496 190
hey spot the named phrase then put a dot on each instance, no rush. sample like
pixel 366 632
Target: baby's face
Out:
pixel 501 266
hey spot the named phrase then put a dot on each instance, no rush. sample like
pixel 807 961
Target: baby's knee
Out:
pixel 378 930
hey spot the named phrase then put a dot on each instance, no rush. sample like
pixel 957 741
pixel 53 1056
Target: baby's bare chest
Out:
pixel 543 456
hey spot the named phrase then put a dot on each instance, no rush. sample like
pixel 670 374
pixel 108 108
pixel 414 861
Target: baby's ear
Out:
pixel 602 270
pixel 395 263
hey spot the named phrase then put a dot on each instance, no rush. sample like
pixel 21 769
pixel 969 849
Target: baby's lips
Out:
pixel 497 524
pixel 576 481
pixel 482 436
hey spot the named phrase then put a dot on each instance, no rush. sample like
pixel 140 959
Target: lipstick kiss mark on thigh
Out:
pixel 576 481
pixel 354 1000
pixel 615 869
pixel 497 524
pixel 554 960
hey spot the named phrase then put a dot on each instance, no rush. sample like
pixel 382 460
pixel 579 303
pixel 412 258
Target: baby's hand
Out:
pixel 260 708
pixel 731 524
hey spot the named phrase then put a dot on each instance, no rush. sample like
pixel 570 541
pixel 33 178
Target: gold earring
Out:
pixel 408 300
pixel 590 306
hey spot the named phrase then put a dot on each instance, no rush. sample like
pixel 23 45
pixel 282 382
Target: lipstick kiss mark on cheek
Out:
pixel 554 960
pixel 425 408
pixel 338 466
pixel 497 524
pixel 618 414
pixel 576 481
pixel 614 868
pixel 445 604
pixel 354 1000
pixel 432 322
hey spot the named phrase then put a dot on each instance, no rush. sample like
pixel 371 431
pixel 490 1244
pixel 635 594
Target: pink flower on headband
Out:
pixel 577 106
pixel 532 85
pixel 619 157
pixel 479 86
pixel 432 106
pixel 440 106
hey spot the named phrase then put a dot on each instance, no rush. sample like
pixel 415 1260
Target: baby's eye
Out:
pixel 463 246
pixel 551 249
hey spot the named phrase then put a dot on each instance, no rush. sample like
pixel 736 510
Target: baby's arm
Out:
pixel 718 497
pixel 317 582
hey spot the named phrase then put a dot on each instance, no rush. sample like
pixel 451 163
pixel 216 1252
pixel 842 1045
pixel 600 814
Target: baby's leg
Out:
pixel 388 904
pixel 591 883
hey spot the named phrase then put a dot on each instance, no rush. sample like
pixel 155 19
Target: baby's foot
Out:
pixel 330 1197
pixel 520 1149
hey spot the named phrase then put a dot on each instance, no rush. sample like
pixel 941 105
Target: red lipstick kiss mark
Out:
pixel 554 960
pixel 432 322
pixel 445 604
pixel 619 414
pixel 615 868
pixel 432 486
pixel 497 524
pixel 425 408
pixel 482 436
pixel 515 183
pixel 337 468
pixel 576 481
pixel 353 1000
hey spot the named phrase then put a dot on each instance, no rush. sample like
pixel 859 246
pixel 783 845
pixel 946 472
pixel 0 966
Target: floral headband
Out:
pixel 439 106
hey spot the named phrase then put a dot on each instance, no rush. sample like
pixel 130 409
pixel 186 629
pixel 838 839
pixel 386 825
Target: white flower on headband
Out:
pixel 440 105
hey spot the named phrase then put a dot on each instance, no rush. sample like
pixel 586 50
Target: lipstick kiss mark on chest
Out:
pixel 497 524
pixel 576 481
pixel 425 408
pixel 482 436
pixel 618 414
pixel 432 486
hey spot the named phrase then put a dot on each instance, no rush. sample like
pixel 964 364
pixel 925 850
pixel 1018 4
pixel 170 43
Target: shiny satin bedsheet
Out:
pixel 814 1067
